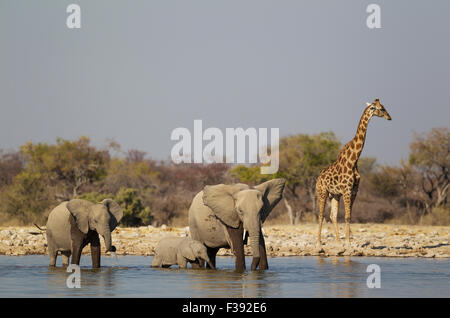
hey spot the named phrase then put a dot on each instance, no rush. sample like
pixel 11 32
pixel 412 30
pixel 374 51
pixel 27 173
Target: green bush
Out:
pixel 28 199
pixel 94 197
pixel 134 212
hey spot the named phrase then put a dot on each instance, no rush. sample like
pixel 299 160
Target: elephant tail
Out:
pixel 42 229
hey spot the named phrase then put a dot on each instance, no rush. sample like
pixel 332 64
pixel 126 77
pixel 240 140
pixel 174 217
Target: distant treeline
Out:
pixel 38 176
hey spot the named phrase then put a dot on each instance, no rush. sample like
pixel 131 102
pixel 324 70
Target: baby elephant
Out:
pixel 180 250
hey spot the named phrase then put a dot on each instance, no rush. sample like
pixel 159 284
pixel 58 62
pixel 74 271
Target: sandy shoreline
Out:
pixel 281 240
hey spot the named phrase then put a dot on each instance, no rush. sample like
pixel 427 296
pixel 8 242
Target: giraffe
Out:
pixel 342 177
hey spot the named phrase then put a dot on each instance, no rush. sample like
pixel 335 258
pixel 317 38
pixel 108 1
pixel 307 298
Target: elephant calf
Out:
pixel 180 250
pixel 74 224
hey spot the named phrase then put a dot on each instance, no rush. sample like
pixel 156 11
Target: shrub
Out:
pixel 94 197
pixel 28 199
pixel 134 212
pixel 438 216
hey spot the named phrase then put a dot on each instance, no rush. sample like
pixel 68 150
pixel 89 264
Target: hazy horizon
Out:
pixel 137 70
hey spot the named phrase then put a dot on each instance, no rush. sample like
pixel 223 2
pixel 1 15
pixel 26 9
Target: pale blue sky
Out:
pixel 138 69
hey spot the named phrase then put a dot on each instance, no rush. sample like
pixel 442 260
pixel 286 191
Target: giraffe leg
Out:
pixel 353 197
pixel 348 214
pixel 354 192
pixel 321 200
pixel 333 216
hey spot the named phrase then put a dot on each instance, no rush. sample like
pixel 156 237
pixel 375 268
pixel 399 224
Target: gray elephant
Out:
pixel 180 250
pixel 219 214
pixel 74 224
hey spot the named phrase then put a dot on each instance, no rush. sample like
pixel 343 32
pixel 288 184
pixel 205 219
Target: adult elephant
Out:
pixel 74 224
pixel 219 214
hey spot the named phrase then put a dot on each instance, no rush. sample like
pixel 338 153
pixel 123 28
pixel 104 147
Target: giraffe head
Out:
pixel 377 109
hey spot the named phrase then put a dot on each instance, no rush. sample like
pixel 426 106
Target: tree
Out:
pixel 385 182
pixel 400 187
pixel 302 158
pixel 250 174
pixel 11 164
pixel 70 164
pixel 367 165
pixel 126 173
pixel 28 198
pixel 134 212
pixel 430 155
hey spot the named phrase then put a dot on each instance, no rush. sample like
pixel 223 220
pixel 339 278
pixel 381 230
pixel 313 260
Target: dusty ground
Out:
pixel 281 240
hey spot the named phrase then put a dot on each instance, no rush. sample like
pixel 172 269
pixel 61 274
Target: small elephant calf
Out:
pixel 180 250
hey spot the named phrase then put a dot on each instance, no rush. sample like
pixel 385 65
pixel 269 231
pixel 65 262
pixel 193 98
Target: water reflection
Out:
pixel 228 283
pixel 30 276
pixel 346 277
pixel 101 282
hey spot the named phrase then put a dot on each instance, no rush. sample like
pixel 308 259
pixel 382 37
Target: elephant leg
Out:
pixel 95 250
pixel 201 263
pixel 212 256
pixel 182 266
pixel 77 247
pixel 197 264
pixel 182 262
pixel 263 264
pixel 237 244
pixel 78 241
pixel 52 254
pixel 52 251
pixel 65 258
pixel 157 261
pixel 255 263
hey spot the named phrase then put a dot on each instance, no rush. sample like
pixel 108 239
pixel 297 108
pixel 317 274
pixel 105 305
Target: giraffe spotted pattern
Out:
pixel 341 179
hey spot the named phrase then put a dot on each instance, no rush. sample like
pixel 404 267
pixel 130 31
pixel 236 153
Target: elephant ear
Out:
pixel 272 191
pixel 186 250
pixel 80 210
pixel 219 198
pixel 115 210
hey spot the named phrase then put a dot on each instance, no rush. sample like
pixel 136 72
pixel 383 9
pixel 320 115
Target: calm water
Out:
pixel 30 276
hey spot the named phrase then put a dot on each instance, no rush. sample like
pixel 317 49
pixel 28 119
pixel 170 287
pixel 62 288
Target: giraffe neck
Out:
pixel 357 143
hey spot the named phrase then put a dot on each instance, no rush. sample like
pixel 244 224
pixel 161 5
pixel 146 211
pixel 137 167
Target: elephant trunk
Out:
pixel 204 256
pixel 106 233
pixel 211 265
pixel 254 237
pixel 254 241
